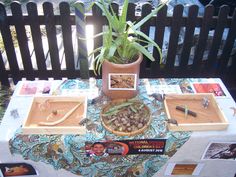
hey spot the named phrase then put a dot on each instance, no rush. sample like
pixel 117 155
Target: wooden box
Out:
pixel 56 115
pixel 210 118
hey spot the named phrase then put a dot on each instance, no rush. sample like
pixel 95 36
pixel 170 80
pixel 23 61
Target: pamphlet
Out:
pixel 125 147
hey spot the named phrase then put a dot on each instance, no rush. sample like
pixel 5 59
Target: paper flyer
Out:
pixel 214 88
pixel 190 168
pixel 59 87
pixel 29 88
pixel 163 89
pixel 125 147
pixel 220 151
pixel 17 169
pixel 77 87
pixel 122 81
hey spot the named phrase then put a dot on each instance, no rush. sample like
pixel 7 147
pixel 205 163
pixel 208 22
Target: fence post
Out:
pixel 82 48
pixel 67 37
pixel 37 39
pixel 22 39
pixel 8 43
pixel 52 38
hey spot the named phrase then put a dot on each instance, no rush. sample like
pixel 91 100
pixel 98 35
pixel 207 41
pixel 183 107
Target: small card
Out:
pixel 35 88
pixel 16 169
pixel 183 87
pixel 122 81
pixel 214 88
pixel 220 151
pixel 78 87
pixel 184 169
pixel 163 89
pixel 125 147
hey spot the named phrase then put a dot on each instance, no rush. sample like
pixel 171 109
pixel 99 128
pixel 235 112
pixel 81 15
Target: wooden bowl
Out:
pixel 142 116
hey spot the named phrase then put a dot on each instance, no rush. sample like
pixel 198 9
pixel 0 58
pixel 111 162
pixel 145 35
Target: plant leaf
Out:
pixel 94 51
pixel 95 36
pixel 116 23
pixel 140 33
pixel 124 12
pixel 143 50
pixel 140 23
pixel 112 50
pixel 147 38
pixel 102 6
pixel 95 63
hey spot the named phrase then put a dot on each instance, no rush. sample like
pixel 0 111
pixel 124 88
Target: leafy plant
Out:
pixel 121 41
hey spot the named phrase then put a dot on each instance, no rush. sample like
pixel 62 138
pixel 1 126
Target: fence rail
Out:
pixel 207 48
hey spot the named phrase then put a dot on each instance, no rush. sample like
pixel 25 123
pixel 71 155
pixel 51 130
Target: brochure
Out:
pixel 125 147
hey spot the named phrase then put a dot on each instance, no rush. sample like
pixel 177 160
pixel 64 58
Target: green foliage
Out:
pixel 122 38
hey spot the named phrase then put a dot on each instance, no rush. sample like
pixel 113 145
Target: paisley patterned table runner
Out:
pixel 68 151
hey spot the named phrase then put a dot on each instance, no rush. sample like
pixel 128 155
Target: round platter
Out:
pixel 126 117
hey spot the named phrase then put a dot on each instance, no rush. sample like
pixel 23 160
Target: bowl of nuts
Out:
pixel 126 117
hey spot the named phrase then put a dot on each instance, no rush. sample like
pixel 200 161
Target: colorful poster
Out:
pixel 220 151
pixel 214 88
pixel 125 147
pixel 16 169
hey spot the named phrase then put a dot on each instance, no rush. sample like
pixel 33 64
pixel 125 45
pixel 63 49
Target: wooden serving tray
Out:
pixel 45 113
pixel 210 118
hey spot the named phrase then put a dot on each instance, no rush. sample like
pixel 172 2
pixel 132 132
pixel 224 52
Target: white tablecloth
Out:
pixel 190 152
pixel 194 148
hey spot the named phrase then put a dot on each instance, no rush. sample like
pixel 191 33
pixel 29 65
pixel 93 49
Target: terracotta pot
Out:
pixel 121 80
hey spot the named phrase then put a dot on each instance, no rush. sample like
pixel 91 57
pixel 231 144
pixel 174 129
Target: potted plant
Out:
pixel 121 54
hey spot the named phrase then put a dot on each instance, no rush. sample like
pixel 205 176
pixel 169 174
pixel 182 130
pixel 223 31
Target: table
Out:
pixel 42 150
